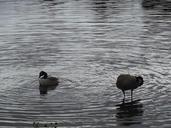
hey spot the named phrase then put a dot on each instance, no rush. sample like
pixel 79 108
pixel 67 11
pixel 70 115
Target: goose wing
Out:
pixel 52 78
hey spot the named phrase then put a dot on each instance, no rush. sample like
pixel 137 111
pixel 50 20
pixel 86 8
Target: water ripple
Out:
pixel 87 44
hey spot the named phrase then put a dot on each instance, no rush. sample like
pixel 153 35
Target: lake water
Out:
pixel 87 44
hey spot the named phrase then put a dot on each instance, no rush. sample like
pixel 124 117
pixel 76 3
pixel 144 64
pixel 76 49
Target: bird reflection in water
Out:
pixel 44 89
pixel 129 113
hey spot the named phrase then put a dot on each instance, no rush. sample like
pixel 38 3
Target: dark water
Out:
pixel 87 44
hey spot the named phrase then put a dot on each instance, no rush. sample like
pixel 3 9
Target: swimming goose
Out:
pixel 46 82
pixel 128 82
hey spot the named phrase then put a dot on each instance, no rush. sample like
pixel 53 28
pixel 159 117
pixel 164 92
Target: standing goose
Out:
pixel 47 82
pixel 128 82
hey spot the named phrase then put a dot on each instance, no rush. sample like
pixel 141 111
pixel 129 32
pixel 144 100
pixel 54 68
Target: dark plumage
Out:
pixel 47 82
pixel 127 82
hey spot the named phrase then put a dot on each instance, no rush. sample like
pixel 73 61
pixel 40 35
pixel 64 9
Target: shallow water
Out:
pixel 87 44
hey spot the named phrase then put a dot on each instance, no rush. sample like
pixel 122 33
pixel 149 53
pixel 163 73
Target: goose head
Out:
pixel 43 75
pixel 139 80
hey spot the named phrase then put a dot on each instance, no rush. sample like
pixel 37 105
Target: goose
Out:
pixel 47 82
pixel 128 82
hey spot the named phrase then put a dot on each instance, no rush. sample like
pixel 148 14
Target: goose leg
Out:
pixel 123 94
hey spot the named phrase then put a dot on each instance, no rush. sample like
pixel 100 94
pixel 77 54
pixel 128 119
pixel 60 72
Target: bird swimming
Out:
pixel 128 82
pixel 47 82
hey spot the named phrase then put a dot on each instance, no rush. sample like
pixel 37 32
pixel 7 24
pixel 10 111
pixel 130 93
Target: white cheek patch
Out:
pixel 41 76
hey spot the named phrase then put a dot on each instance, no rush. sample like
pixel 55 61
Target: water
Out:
pixel 87 44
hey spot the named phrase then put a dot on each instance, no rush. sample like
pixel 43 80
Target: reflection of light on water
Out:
pixel 44 89
pixel 129 113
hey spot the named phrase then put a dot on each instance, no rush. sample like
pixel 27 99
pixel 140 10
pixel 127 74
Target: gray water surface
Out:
pixel 87 44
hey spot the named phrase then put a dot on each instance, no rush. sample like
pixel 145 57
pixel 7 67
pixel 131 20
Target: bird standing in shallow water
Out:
pixel 128 82
pixel 47 82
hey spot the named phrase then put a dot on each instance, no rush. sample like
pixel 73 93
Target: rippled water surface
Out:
pixel 87 44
